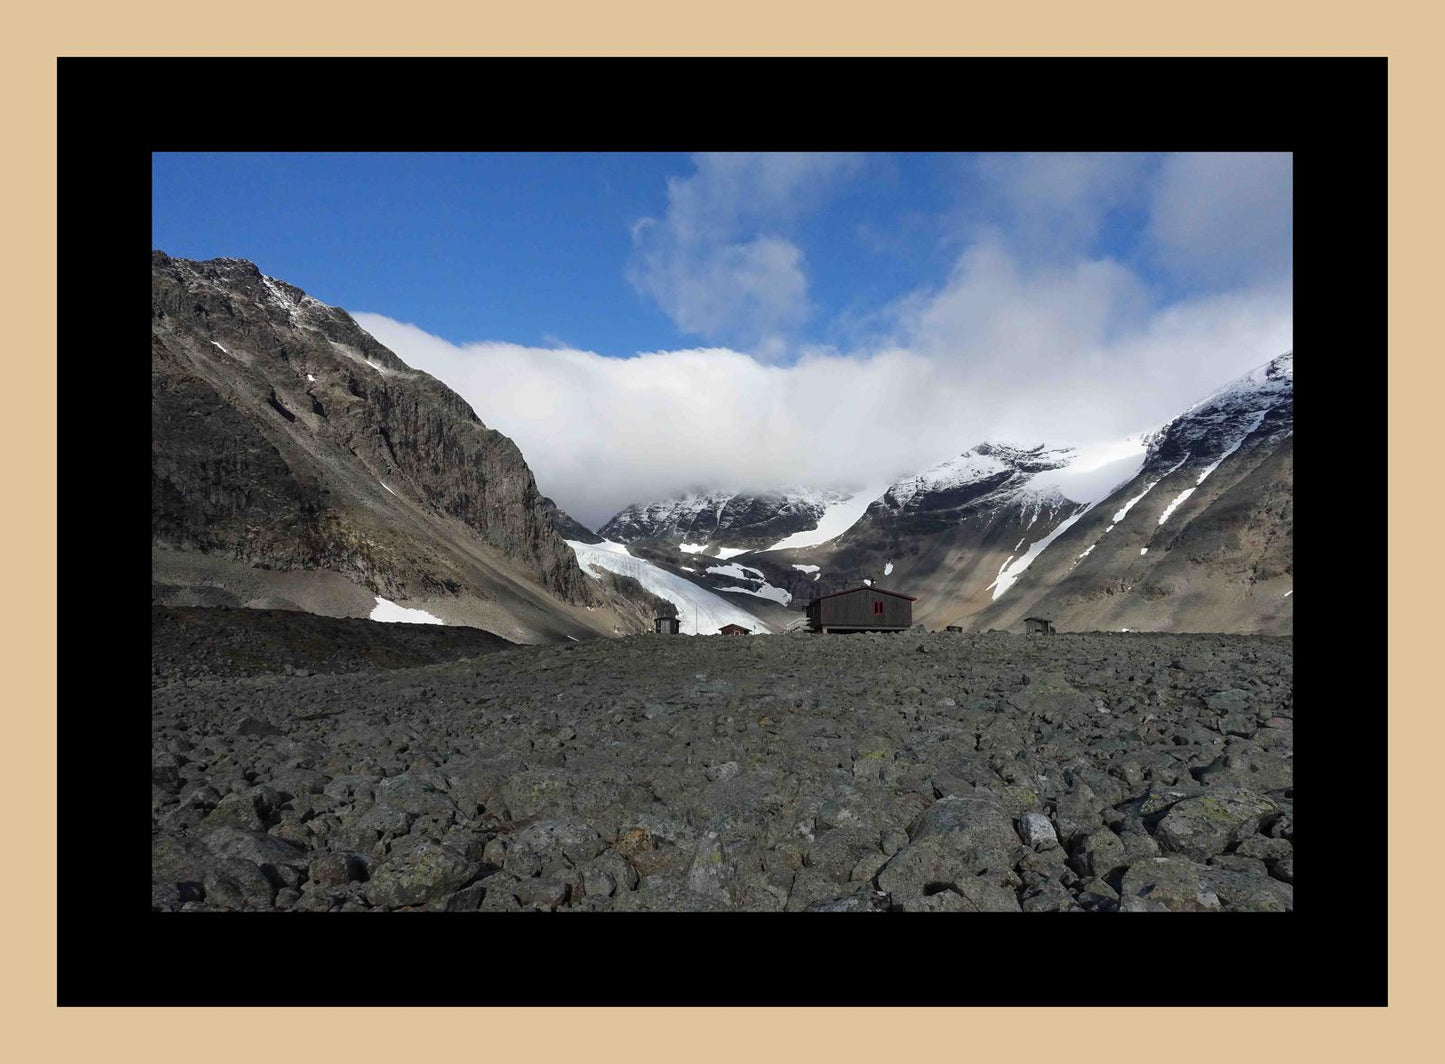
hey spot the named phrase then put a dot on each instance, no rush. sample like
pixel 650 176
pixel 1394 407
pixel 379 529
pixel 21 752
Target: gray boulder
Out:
pixel 423 873
pixel 1201 827
pixel 1166 884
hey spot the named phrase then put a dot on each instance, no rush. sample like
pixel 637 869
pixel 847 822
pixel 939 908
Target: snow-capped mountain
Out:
pixel 1202 539
pixel 1186 526
pixel 722 522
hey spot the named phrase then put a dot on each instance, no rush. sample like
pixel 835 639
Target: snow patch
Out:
pixel 731 552
pixel 1119 514
pixel 767 591
pixel 837 519
pixel 692 548
pixel 223 350
pixel 387 486
pixel 738 572
pixel 806 568
pixel 1094 472
pixel 1143 551
pixel 1010 575
pixel 386 610
pixel 689 568
pixel 888 569
pixel 698 609
pixel 1178 499
pixel 311 377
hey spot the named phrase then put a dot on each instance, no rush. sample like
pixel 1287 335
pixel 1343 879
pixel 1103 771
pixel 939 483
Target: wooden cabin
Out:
pixel 861 609
pixel 1038 626
pixel 732 629
pixel 665 625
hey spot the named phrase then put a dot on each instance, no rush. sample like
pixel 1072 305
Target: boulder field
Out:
pixel 866 773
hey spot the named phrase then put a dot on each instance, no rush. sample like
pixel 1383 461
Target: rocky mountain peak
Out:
pixel 286 437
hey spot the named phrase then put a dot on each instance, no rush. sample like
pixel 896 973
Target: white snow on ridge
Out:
pixel 731 552
pixel 1011 573
pixel 386 610
pixel 1178 499
pixel 1094 472
pixel 1119 514
pixel 807 568
pixel 223 349
pixel 698 609
pixel 837 519
pixel 692 548
pixel 966 468
pixel 1258 420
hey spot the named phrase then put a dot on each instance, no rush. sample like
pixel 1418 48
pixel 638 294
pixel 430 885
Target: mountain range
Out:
pixel 299 464
pixel 1184 527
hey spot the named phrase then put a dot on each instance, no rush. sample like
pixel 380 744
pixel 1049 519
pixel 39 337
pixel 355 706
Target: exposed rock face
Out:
pixel 721 518
pixel 285 436
pixel 566 526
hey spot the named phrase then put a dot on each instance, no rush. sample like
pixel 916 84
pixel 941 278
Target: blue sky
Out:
pixel 590 304
pixel 531 248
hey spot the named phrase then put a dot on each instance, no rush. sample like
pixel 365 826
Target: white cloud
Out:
pixel 1224 218
pixel 1055 203
pixel 1067 357
pixel 718 262
pixel 1035 336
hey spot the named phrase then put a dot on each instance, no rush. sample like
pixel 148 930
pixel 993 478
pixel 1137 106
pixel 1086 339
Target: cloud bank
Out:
pixel 1030 338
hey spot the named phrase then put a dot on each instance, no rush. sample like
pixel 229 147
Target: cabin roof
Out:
pixel 866 587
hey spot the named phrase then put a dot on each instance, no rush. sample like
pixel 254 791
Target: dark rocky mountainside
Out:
pixel 726 519
pixel 566 526
pixel 918 772
pixel 284 437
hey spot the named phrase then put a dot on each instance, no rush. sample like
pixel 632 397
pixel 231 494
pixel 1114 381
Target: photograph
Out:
pixel 725 532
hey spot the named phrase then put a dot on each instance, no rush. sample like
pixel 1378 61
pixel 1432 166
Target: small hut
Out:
pixel 664 625
pixel 733 629
pixel 1038 626
pixel 861 609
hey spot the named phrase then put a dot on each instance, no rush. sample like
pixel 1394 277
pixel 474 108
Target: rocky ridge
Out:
pixel 286 438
